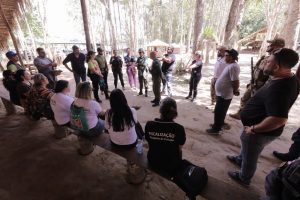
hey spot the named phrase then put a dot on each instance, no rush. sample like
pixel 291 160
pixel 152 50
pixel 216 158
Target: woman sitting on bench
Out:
pixel 165 138
pixel 61 103
pixel 24 85
pixel 39 98
pixel 91 108
pixel 120 121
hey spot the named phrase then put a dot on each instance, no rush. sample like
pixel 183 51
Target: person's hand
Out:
pixel 54 64
pixel 248 130
pixel 236 93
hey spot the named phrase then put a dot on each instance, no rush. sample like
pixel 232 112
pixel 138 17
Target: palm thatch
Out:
pixel 11 9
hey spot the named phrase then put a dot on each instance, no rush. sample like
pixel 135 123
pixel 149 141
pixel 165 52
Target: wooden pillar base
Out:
pixel 135 174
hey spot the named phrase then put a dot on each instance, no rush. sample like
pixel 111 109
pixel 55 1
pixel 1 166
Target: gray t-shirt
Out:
pixel 38 62
pixel 223 85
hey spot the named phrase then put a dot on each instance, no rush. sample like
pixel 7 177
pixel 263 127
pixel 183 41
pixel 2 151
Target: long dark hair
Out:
pixel 120 113
pixel 19 75
pixel 89 56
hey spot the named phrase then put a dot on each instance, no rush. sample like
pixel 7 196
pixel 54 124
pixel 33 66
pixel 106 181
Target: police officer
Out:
pixel 259 79
pixel 142 72
pixel 116 67
pixel 156 73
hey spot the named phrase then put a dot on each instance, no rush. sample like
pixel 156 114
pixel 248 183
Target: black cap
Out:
pixel 233 53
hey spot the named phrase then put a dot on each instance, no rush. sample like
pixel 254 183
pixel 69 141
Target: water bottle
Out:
pixel 139 146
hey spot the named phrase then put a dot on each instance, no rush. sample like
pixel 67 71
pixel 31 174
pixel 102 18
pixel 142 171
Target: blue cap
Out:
pixel 10 54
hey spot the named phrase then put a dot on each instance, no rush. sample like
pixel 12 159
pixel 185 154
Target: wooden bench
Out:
pixel 214 189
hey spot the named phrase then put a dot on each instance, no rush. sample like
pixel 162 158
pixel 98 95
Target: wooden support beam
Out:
pixel 86 24
pixel 13 37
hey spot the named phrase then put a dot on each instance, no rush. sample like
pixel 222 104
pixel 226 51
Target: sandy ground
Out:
pixel 34 165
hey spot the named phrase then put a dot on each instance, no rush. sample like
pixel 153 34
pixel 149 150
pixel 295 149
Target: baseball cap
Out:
pixel 233 53
pixel 277 42
pixel 10 54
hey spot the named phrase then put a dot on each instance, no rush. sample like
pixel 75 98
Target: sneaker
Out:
pixel 153 101
pixel 213 131
pixel 284 156
pixel 189 96
pixel 234 160
pixel 140 93
pixel 236 177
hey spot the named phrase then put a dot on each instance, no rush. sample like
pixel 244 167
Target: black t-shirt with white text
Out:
pixel 275 99
pixel 164 139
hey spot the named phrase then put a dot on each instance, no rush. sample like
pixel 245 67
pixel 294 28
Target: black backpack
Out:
pixel 191 178
pixel 291 179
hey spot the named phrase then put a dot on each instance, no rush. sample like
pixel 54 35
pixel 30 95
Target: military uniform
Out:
pixel 142 74
pixel 156 73
pixel 259 79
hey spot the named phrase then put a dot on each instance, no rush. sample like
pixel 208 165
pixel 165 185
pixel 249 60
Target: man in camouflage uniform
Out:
pixel 142 72
pixel 259 79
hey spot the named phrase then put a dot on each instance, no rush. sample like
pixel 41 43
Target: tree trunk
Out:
pixel 107 4
pixel 234 17
pixel 292 25
pixel 22 9
pixel 13 37
pixel 198 23
pixel 86 24
pixel 189 36
pixel 273 10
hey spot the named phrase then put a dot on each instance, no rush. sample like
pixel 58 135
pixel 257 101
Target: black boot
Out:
pixel 284 156
pixel 146 92
pixel 106 94
pixel 189 96
pixel 96 96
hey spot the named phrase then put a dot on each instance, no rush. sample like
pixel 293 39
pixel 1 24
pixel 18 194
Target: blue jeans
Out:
pixel 97 130
pixel 252 146
pixel 167 88
pixel 78 76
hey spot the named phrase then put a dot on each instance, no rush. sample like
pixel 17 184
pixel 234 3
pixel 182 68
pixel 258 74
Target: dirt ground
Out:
pixel 35 166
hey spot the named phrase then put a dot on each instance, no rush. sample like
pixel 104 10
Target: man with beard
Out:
pixel 218 69
pixel 45 66
pixel 167 68
pixel 266 113
pixel 77 60
pixel 259 78
pixel 101 60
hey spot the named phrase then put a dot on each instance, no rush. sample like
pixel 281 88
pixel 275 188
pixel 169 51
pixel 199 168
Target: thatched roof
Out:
pixel 11 11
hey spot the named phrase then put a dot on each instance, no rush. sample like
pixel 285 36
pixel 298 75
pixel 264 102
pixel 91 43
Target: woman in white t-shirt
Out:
pixel 120 121
pixel 92 109
pixel 61 103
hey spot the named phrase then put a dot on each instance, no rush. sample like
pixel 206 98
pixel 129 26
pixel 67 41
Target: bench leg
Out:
pixel 86 146
pixel 59 131
pixel 9 106
pixel 135 174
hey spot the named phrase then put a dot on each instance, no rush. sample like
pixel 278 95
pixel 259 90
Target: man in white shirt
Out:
pixel 218 69
pixel 226 86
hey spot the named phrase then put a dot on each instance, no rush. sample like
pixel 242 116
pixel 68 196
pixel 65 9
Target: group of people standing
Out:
pixel 263 112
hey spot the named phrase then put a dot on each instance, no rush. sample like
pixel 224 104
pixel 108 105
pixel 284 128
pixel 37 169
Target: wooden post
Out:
pixel 86 24
pixel 13 37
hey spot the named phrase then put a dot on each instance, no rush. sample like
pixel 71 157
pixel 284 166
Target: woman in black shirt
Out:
pixel 165 138
pixel 196 68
